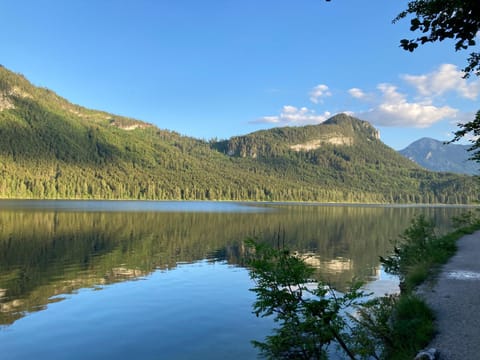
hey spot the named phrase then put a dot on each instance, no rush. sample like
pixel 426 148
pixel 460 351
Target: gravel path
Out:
pixel 455 298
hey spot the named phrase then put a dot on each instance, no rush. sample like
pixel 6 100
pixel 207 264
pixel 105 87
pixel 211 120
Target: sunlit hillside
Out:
pixel 50 148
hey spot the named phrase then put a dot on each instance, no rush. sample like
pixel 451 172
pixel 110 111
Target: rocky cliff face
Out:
pixel 315 144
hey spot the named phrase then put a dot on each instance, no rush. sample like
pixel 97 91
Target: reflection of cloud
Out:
pixel 291 115
pixel 445 79
pixel 394 110
pixel 319 92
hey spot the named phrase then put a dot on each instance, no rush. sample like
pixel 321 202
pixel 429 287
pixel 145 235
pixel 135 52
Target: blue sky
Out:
pixel 218 68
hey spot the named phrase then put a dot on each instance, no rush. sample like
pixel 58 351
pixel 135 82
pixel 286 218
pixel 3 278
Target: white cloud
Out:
pixel 395 110
pixel 357 93
pixel 420 108
pixel 319 92
pixel 445 79
pixel 291 115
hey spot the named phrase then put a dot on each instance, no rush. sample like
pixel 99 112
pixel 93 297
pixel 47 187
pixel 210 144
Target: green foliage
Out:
pixel 52 149
pixel 358 161
pixel 415 243
pixel 438 20
pixel 465 220
pixel 413 327
pixel 392 327
pixel 372 332
pixel 418 251
pixel 310 318
pixel 458 20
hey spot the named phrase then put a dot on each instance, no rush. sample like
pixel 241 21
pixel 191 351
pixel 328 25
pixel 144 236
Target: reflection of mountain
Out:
pixel 48 253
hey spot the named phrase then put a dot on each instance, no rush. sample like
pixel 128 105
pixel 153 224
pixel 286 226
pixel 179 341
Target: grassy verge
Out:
pixel 418 257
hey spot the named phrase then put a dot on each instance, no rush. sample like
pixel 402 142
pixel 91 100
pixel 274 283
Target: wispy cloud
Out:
pixel 291 115
pixel 318 93
pixel 357 93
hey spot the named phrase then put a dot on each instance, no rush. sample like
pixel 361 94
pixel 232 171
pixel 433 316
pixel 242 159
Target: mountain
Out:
pixel 343 152
pixel 50 148
pixel 437 156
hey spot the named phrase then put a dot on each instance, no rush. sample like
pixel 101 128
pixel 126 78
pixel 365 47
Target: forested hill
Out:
pixel 50 148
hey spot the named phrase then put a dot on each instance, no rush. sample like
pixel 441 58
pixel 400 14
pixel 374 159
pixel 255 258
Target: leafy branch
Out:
pixel 309 312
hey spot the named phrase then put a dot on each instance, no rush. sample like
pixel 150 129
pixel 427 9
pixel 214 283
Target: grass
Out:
pixel 411 317
pixel 439 251
pixel 418 257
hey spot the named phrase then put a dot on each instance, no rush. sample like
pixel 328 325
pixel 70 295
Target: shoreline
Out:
pixel 249 202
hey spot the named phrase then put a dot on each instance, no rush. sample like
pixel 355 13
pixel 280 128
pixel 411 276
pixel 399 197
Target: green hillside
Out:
pixel 50 148
pixel 346 153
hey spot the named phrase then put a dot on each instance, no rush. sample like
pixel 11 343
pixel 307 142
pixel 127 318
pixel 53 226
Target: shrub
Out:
pixel 310 317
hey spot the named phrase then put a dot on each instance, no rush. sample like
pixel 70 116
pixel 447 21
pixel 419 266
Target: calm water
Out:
pixel 165 280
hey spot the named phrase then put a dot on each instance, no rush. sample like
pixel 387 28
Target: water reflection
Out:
pixel 46 253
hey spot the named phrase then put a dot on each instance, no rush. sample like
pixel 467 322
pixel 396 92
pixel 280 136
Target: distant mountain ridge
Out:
pixel 53 149
pixel 437 156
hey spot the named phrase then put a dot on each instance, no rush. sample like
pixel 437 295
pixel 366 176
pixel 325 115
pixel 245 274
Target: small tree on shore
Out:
pixel 310 314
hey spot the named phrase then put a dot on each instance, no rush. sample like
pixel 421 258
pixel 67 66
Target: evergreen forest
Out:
pixel 53 149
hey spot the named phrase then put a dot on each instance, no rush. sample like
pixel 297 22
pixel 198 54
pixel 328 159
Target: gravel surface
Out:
pixel 455 298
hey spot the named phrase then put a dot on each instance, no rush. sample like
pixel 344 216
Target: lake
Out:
pixel 167 280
